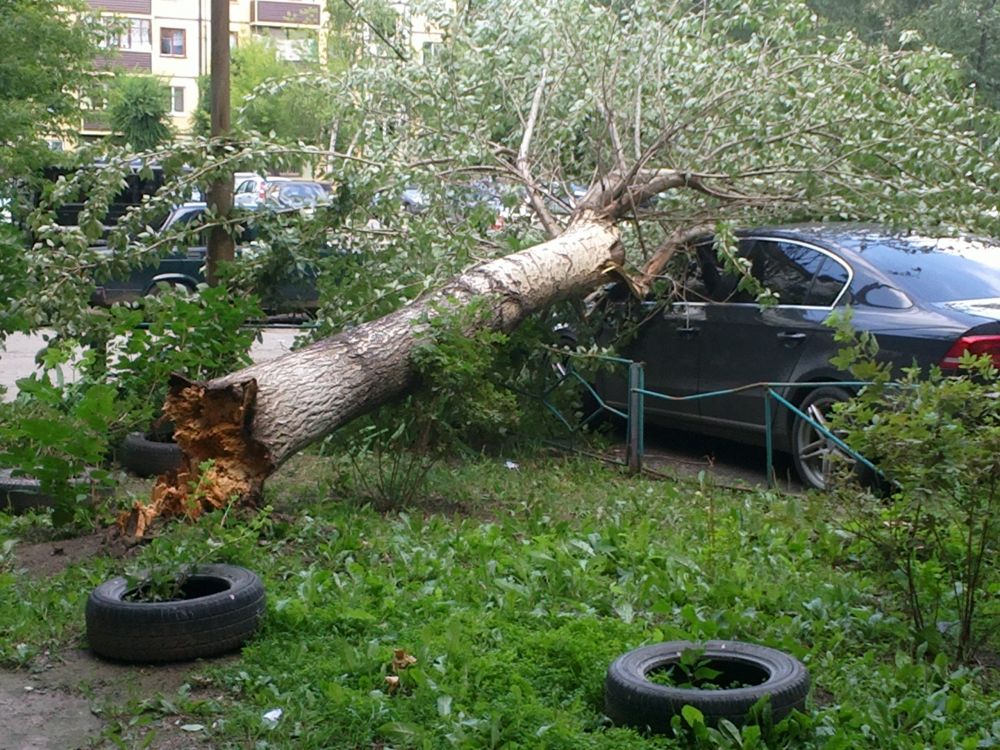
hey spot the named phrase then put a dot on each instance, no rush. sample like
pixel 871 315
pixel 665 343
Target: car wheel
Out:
pixel 219 608
pixel 149 458
pixel 170 287
pixel 813 453
pixel 745 674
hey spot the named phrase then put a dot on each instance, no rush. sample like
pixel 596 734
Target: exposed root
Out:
pixel 222 463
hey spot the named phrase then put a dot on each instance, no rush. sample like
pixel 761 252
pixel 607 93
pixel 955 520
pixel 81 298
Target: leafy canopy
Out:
pixel 140 108
pixel 48 49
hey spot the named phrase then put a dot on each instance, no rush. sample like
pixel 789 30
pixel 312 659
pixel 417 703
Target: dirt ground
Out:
pixel 67 700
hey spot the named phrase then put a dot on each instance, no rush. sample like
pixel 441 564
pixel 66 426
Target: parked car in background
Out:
pixel 253 191
pixel 927 301
pixel 289 193
pixel 248 189
pixel 182 268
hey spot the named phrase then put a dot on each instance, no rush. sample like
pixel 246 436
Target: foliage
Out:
pixel 49 47
pixel 273 96
pixel 937 439
pixel 514 589
pixel 165 566
pixel 61 439
pixel 478 390
pixel 139 107
pixel 198 335
pixel 964 28
pixel 691 670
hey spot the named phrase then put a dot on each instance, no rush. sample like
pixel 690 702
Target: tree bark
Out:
pixel 250 422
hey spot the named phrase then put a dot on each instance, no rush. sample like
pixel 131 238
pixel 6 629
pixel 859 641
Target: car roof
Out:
pixel 935 269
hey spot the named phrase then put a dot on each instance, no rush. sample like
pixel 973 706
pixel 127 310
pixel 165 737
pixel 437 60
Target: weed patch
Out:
pixel 512 617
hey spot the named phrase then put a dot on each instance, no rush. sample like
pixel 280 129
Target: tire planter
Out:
pixel 149 458
pixel 631 699
pixel 18 494
pixel 222 609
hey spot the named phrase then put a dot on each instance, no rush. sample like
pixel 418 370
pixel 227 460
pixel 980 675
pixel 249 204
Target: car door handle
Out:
pixel 687 333
pixel 791 338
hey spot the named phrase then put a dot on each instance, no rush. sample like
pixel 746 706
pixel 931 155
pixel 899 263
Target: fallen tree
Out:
pixel 767 119
pixel 250 422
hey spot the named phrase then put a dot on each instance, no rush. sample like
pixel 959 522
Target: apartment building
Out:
pixel 170 40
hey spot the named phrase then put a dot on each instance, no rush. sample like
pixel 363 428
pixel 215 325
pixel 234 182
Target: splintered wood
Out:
pixel 221 463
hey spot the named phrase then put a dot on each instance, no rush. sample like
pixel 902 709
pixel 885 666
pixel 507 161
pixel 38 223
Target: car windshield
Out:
pixel 936 270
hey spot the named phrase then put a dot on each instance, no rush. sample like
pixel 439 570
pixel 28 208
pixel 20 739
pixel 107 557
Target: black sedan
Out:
pixel 926 301
pixel 287 291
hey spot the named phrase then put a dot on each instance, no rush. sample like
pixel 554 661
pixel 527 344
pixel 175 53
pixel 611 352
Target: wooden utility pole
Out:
pixel 221 247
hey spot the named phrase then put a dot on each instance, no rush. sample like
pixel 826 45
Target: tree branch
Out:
pixel 552 228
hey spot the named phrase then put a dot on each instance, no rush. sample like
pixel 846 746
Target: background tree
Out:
pixel 49 49
pixel 139 107
pixel 968 29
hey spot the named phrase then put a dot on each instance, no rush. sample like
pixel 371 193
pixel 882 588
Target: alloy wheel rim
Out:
pixel 817 453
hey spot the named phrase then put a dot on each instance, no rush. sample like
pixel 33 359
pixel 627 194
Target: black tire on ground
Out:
pixel 812 453
pixel 148 458
pixel 18 494
pixel 226 612
pixel 631 699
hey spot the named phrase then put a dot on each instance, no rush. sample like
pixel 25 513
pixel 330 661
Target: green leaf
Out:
pixel 692 716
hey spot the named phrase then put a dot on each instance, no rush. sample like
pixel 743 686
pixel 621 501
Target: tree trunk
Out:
pixel 250 422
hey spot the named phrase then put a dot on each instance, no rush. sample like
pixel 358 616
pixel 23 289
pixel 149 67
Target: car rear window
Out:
pixel 937 270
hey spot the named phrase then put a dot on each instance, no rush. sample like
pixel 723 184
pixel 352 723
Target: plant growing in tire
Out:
pixel 175 605
pixel 722 680
pixel 214 609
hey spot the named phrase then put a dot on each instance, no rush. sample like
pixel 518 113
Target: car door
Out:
pixel 744 344
pixel 186 258
pixel 663 336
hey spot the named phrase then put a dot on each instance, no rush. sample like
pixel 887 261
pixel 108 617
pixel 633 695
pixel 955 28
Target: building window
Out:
pixel 430 50
pixel 172 42
pixel 293 45
pixel 133 34
pixel 177 99
pixel 234 40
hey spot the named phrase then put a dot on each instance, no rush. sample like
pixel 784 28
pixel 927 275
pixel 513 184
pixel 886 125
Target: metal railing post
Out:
pixel 768 438
pixel 636 384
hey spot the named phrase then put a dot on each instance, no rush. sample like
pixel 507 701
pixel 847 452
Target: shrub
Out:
pixel 936 437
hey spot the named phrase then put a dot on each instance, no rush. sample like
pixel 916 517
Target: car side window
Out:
pixel 829 283
pixel 785 268
pixel 800 275
pixel 706 280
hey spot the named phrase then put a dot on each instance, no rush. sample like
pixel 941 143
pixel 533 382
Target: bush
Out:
pixel 936 437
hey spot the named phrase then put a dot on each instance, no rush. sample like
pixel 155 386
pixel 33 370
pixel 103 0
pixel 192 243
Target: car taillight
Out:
pixel 978 345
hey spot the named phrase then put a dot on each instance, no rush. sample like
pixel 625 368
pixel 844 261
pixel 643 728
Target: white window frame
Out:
pixel 177 92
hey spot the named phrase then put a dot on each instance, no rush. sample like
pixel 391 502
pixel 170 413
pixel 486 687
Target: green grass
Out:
pixel 514 589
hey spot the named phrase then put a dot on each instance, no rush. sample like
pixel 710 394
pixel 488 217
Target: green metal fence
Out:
pixel 634 415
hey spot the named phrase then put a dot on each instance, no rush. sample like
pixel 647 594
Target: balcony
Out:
pixel 96 121
pixel 135 7
pixel 139 62
pixel 285 13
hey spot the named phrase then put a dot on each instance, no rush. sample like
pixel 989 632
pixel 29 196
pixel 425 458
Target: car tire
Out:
pixel 149 458
pixel 631 699
pixel 169 287
pixel 812 453
pixel 18 494
pixel 223 611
